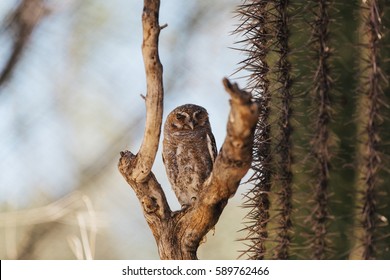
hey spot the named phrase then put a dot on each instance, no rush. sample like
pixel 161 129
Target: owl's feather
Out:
pixel 189 151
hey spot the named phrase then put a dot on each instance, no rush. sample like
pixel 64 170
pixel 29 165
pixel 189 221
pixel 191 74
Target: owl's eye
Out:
pixel 180 116
pixel 199 116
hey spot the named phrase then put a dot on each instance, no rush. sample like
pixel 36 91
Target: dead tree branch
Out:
pixel 22 22
pixel 154 91
pixel 178 234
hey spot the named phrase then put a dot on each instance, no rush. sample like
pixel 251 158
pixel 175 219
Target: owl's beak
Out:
pixel 191 124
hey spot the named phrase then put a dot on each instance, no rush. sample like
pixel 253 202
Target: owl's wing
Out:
pixel 211 146
pixel 170 163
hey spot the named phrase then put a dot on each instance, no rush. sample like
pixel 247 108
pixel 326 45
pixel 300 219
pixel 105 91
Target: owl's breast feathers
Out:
pixel 188 158
pixel 191 152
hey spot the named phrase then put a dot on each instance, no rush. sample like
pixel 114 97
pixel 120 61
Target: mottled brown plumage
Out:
pixel 189 151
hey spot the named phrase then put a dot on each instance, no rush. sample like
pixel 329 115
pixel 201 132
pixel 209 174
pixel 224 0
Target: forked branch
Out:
pixel 178 234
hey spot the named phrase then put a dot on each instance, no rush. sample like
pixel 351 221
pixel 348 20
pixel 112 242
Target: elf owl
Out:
pixel 189 151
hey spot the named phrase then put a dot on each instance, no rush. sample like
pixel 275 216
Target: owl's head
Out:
pixel 188 117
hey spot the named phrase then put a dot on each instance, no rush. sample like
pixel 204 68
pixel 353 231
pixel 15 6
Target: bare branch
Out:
pixel 149 192
pixel 23 21
pixel 235 157
pixel 154 95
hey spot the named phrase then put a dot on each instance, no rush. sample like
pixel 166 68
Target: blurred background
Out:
pixel 72 76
